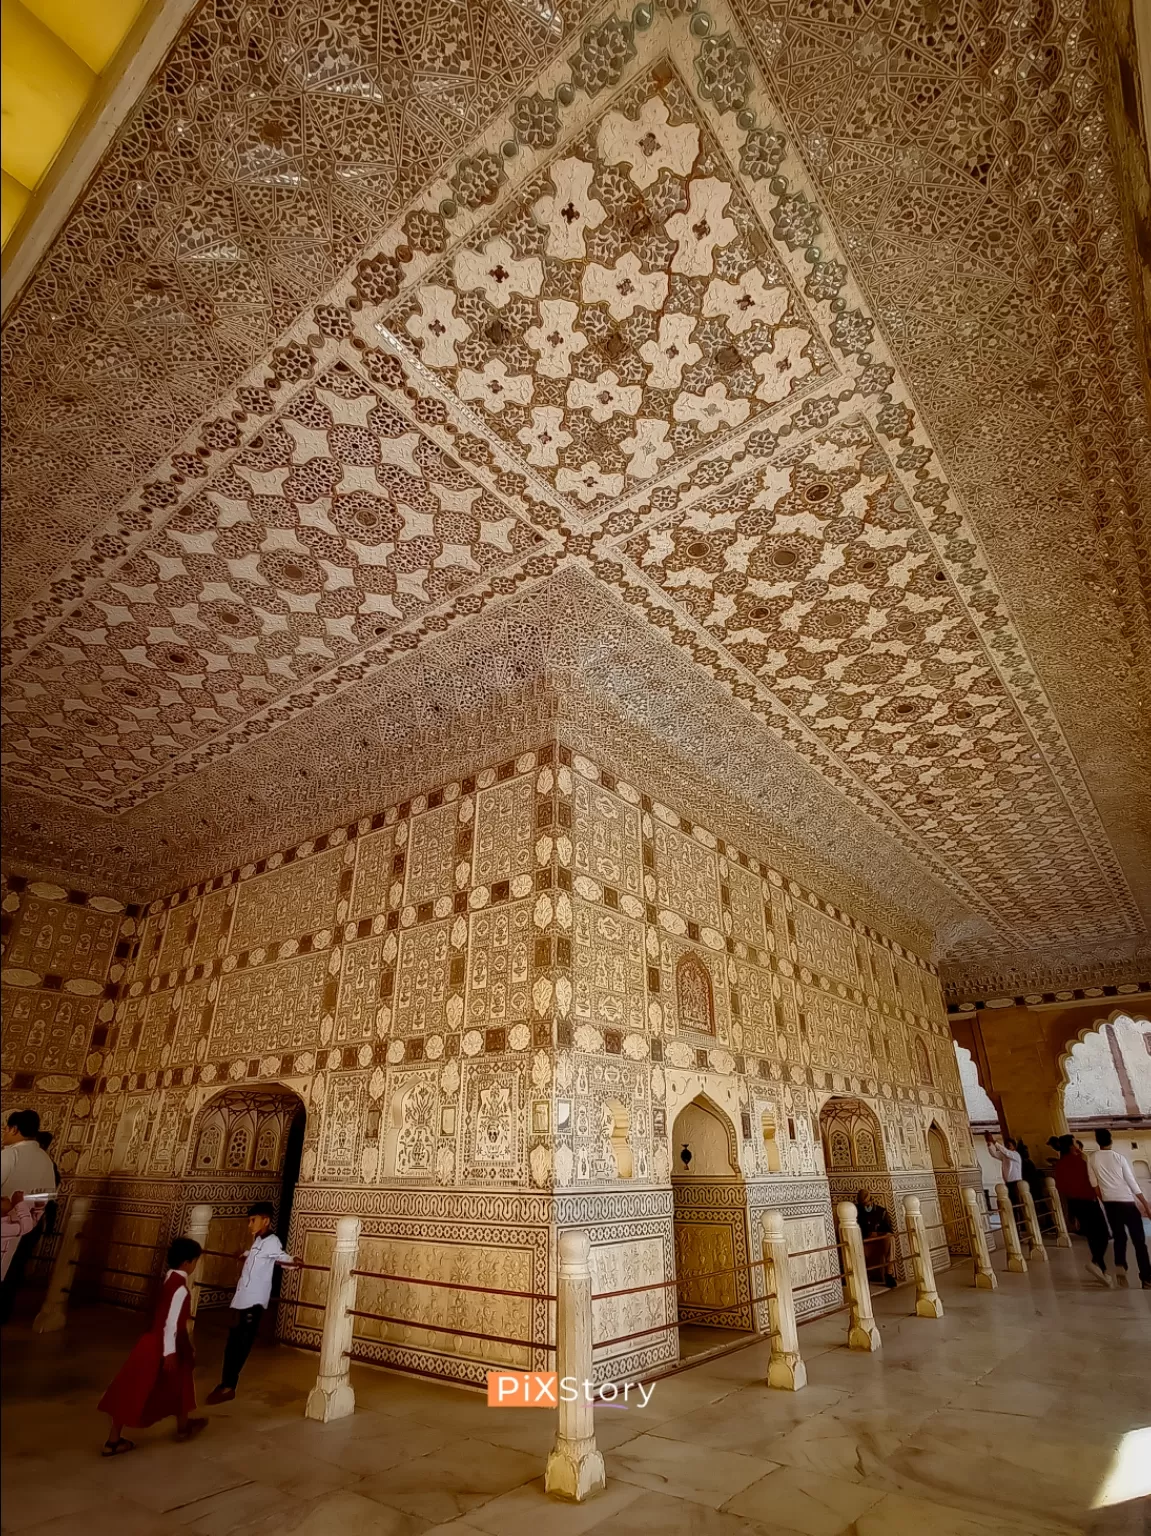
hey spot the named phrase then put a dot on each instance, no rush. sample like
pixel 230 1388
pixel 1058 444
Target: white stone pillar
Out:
pixel 861 1330
pixel 575 1467
pixel 1038 1252
pixel 985 1278
pixel 1062 1236
pixel 332 1397
pixel 199 1220
pixel 1016 1263
pixel 927 1302
pixel 785 1368
pixel 53 1313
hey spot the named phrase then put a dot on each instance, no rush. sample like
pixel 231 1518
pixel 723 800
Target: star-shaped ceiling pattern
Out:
pixel 616 332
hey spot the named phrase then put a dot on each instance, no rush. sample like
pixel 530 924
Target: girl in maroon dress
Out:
pixel 156 1379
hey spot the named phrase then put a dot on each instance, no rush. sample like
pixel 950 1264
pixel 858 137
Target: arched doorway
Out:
pixel 710 1222
pixel 855 1158
pixel 949 1193
pixel 247 1143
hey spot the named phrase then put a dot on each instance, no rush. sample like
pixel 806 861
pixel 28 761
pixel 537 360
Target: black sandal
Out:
pixel 119 1447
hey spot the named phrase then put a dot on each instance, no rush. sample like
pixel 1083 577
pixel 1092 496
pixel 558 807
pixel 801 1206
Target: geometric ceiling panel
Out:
pixel 338 522
pixel 798 343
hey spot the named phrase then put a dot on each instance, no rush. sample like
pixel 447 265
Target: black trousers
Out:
pixel 14 1279
pixel 1093 1226
pixel 241 1337
pixel 1127 1221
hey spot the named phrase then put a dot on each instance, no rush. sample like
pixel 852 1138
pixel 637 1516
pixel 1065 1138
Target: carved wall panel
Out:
pixel 423 978
pixel 606 838
pixel 499 965
pixel 213 923
pixel 46 1031
pixel 365 982
pixel 273 1008
pixel 299 898
pixel 58 938
pixel 505 831
pixel 687 875
pixel 609 969
pixel 827 946
pixel 431 855
pixel 680 989
pixel 375 873
pixel 745 902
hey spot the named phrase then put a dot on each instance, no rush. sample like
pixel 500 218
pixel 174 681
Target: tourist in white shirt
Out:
pixel 251 1298
pixel 24 1168
pixel 1009 1158
pixel 1125 1204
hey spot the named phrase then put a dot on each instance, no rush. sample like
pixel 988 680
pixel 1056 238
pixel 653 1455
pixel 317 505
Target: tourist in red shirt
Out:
pixel 1074 1183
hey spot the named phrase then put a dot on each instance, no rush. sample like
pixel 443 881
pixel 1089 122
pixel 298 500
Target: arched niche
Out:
pixel 710 1222
pixel 243 1145
pixel 852 1137
pixel 948 1192
pixel 939 1147
pixel 241 1131
pixel 709 1135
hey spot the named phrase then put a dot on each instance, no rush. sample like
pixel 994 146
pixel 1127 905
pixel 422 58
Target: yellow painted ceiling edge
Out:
pixel 52 54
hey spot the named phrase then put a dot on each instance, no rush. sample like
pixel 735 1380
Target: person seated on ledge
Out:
pixel 878 1237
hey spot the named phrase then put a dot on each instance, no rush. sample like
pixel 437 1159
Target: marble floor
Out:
pixel 1003 1419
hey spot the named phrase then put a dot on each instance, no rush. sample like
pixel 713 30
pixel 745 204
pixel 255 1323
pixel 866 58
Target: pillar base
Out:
pixel 328 1403
pixel 986 1282
pixel 787 1372
pixel 864 1336
pixel 575 1470
pixel 1016 1266
pixel 49 1320
pixel 929 1306
pixel 1039 1256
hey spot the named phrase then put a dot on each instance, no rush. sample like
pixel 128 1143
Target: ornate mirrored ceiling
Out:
pixel 797 341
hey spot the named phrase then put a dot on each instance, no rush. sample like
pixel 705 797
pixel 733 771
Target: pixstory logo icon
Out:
pixel 545 1389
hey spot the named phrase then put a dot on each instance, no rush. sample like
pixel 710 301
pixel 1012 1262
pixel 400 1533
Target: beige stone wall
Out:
pixel 493 1000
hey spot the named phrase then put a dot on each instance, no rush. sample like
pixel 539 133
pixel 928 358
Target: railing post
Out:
pixel 199 1220
pixel 927 1302
pixel 332 1397
pixel 1031 1217
pixel 785 1367
pixel 53 1313
pixel 1016 1263
pixel 575 1467
pixel 861 1330
pixel 1062 1236
pixel 985 1279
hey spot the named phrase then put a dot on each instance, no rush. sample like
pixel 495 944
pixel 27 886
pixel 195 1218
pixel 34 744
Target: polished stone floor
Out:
pixel 1003 1419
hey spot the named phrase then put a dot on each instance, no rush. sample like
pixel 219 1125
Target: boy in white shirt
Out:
pixel 251 1298
pixel 1123 1200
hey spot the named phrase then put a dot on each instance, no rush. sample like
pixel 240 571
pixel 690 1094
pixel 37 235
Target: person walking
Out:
pixel 157 1378
pixel 1073 1181
pixel 1112 1176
